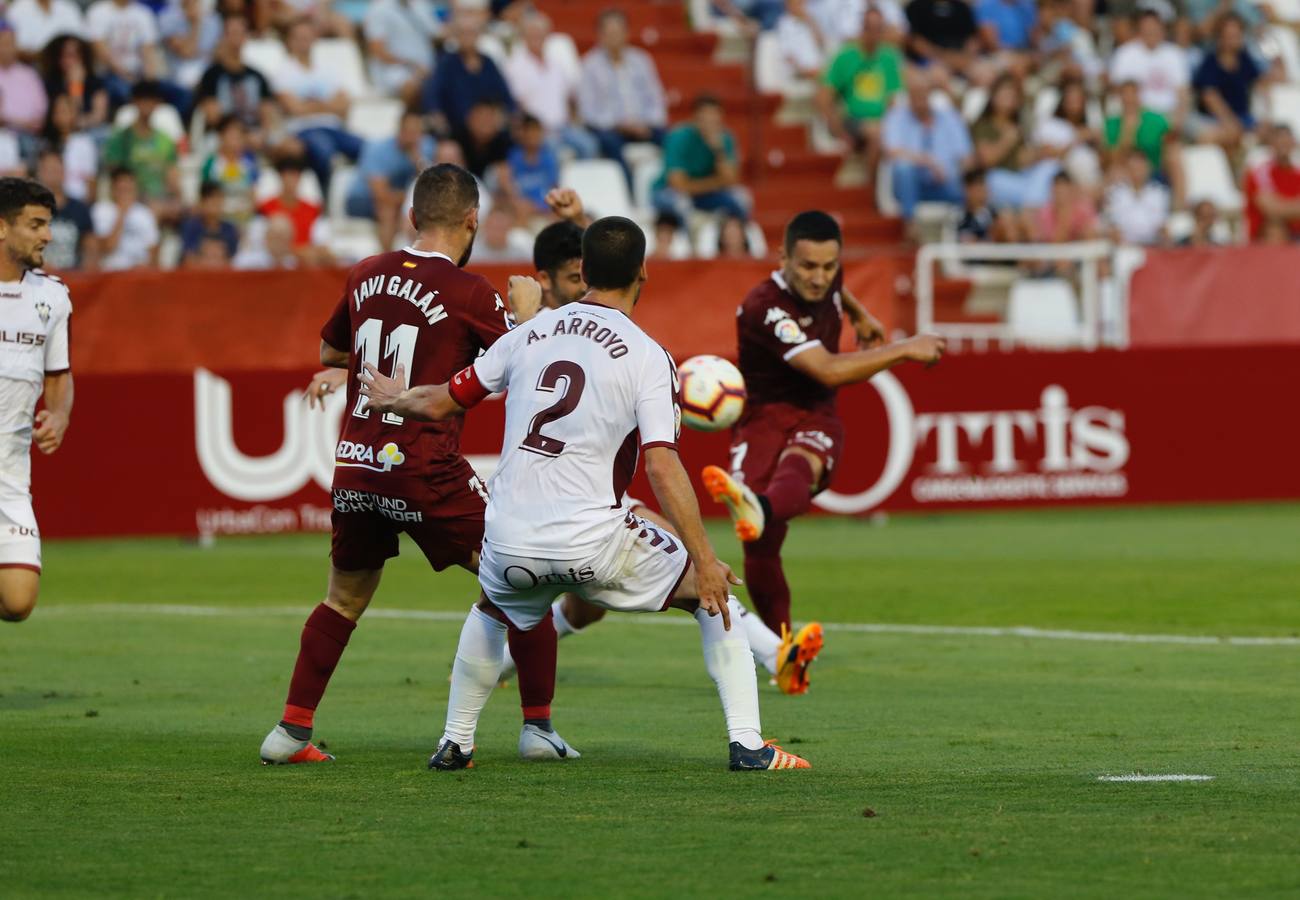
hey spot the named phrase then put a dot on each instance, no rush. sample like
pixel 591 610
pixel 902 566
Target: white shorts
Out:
pixel 20 541
pixel 638 571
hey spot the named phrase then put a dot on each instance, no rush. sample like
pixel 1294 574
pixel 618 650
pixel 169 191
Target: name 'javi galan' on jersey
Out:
pixel 422 311
pixel 587 387
pixel 35 314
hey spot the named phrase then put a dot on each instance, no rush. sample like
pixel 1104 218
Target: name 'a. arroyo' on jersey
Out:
pixel 586 389
pixel 34 321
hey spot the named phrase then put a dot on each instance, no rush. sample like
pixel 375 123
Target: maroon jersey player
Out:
pixel 416 309
pixel 785 446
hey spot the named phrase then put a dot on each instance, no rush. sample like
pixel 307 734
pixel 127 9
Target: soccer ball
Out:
pixel 713 393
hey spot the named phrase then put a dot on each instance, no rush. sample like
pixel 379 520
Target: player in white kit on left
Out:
pixel 587 389
pixel 34 313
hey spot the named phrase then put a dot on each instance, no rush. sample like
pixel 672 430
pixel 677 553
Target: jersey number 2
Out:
pixel 575 380
pixel 400 345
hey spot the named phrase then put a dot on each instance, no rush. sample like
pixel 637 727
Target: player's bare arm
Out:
pixel 426 403
pixel 839 369
pixel 869 329
pixel 566 204
pixel 677 500
pixel 333 357
pixel 52 421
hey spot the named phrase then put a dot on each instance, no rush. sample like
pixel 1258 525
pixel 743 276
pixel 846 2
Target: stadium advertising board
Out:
pixel 240 452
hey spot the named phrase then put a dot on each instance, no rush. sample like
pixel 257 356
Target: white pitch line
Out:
pixel 1024 632
pixel 1136 777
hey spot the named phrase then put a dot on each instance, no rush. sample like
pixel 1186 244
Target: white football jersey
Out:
pixel 587 388
pixel 34 314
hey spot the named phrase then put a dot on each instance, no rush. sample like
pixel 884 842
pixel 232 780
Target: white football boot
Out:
pixel 535 744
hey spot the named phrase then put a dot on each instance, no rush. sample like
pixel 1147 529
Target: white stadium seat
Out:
pixel 706 239
pixel 342 57
pixel 268 185
pixel 1281 42
pixel 1043 311
pixel 264 54
pixel 773 75
pixel 600 184
pixel 1284 105
pixel 1207 171
pixel 1045 103
pixel 374 118
pixel 973 101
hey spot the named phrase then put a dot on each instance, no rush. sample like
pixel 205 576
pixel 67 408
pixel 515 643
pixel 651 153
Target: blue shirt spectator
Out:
pixel 465 78
pixel 534 166
pixel 394 161
pixel 1228 70
pixel 1012 21
pixel 927 149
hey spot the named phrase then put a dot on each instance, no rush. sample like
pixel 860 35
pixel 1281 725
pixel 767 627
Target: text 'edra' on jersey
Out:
pixel 586 387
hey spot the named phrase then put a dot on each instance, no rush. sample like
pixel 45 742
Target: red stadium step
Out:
pixel 784 194
pixel 676 41
pixel 640 14
pixel 859 228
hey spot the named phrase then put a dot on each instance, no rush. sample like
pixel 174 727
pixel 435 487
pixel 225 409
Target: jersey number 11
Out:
pixel 400 345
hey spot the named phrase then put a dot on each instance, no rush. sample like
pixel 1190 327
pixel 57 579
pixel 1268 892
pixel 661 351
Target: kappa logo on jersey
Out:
pixel 818 440
pixel 775 314
pixel 350 453
pixel 43 310
pixel 788 332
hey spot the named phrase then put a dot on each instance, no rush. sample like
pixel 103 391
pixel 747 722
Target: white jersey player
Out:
pixel 586 389
pixel 34 313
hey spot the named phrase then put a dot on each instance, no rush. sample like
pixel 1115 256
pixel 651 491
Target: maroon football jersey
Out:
pixel 774 325
pixel 422 311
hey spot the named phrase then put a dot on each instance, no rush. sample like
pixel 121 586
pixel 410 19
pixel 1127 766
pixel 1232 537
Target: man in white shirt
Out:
pixel 125 36
pixel 545 86
pixel 399 36
pixel 37 22
pixel 34 360
pixel 1136 206
pixel 1158 66
pixel 586 389
pixel 126 228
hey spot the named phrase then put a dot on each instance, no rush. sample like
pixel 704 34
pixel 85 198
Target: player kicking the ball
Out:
pixel 586 388
pixel 34 313
pixel 785 446
pixel 418 311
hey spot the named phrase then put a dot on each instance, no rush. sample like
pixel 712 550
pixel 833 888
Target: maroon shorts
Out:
pixel 448 529
pixel 767 431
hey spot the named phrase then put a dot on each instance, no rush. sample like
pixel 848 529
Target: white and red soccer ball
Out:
pixel 712 393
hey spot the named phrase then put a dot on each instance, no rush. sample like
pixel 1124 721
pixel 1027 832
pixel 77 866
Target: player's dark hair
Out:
pixel 444 194
pixel 613 252
pixel 16 194
pixel 555 245
pixel 812 225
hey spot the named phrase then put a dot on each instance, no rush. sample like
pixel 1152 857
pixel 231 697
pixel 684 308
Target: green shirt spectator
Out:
pixel 1149 136
pixel 865 80
pixel 685 150
pixel 147 153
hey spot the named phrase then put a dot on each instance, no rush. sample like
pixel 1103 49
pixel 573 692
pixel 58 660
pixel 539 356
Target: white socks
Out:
pixel 728 658
pixel 473 675
pixel 762 640
pixel 562 626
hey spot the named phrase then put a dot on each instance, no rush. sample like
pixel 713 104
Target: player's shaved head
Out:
pixel 444 195
pixel 613 254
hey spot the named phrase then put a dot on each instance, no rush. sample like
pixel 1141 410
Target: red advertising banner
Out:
pixel 210 452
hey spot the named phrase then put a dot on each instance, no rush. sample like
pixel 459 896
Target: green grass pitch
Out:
pixel 945 764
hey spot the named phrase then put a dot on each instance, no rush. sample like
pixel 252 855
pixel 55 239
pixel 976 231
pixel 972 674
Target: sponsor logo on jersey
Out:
pixel 22 338
pixel 395 508
pixel 351 453
pixel 789 332
pixel 775 314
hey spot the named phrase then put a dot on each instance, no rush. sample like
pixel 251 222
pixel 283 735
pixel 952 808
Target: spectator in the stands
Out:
pixel 72 233
pixel 325 19
pixel 805 47
pixel 1066 136
pixel 384 171
pixel 1019 174
pixel 149 153
pixel 545 87
pixel 229 86
pixel 1205 226
pixel 69 68
pixel 37 22
pixel 1159 68
pixel 313 96
pixel 1204 15
pixel 463 78
pixel 211 255
pixel 126 228
pixel 1069 216
pixel 733 242
pixel 669 242
pixel 701 166
pixel 232 166
pixel 534 167
pixel 927 147
pixel 620 97
pixel 858 86
pixel 289 203
pixel 1136 125
pixel 484 142
pixel 841 20
pixel 399 41
pixel 979 223
pixel 208 221
pixel 125 36
pixel 77 149
pixel 750 16
pixel 498 239
pixel 1007 25
pixel 944 32
pixel 274 250
pixel 1223 83
pixel 22 95
pixel 1272 191
pixel 190 32
pixel 12 162
pixel 1137 206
